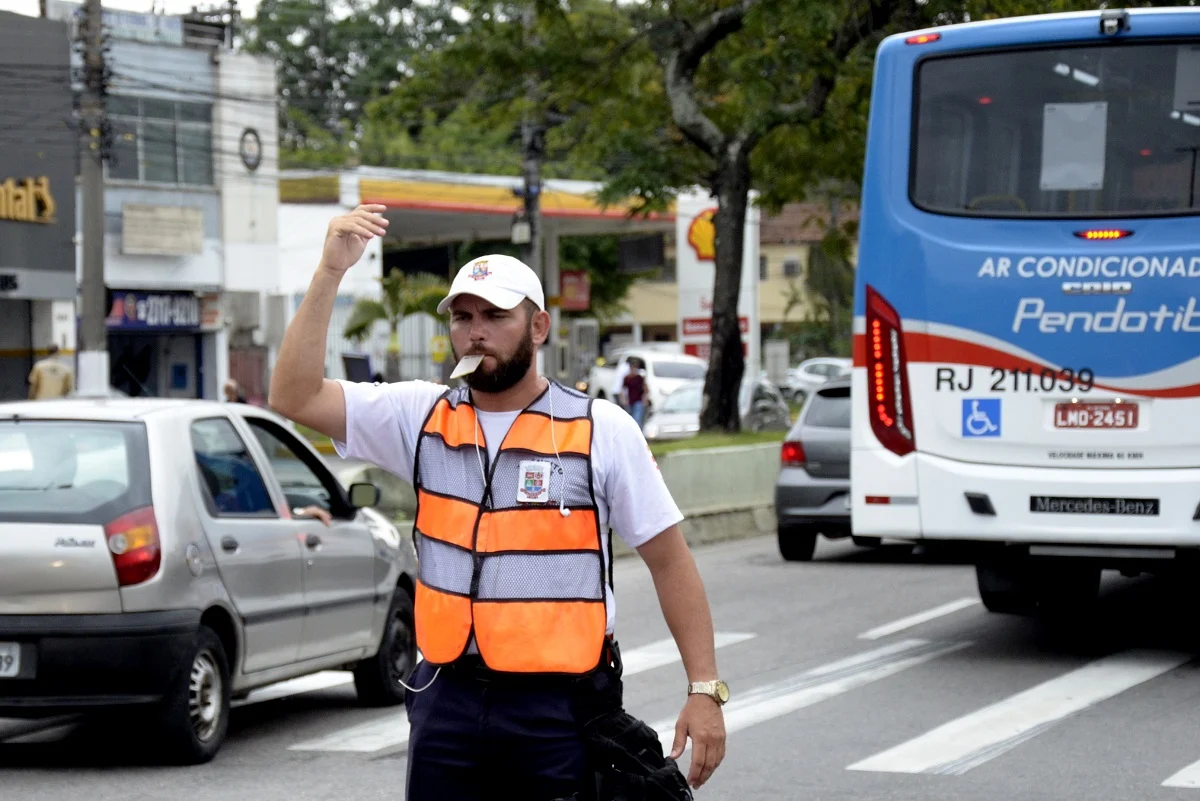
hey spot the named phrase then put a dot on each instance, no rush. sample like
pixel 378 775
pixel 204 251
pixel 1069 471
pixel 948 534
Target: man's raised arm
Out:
pixel 299 389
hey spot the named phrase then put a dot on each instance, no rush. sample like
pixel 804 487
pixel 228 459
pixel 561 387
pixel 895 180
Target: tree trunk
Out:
pixel 393 353
pixel 726 362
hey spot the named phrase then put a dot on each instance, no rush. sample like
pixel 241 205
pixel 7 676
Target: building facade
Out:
pixel 37 198
pixel 190 204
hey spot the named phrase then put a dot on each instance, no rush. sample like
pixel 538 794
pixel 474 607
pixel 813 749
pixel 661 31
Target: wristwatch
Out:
pixel 716 690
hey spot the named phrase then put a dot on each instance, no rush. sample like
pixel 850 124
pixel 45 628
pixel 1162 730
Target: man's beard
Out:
pixel 508 372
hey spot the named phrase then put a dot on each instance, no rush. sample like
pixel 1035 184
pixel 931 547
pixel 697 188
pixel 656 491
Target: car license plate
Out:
pixel 10 660
pixel 1136 507
pixel 1096 415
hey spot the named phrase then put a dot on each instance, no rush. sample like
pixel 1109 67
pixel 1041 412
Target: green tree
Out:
pixel 334 57
pixel 401 294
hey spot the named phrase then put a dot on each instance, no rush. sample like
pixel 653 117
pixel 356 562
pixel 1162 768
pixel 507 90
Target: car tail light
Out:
pixel 792 454
pixel 923 38
pixel 890 406
pixel 135 547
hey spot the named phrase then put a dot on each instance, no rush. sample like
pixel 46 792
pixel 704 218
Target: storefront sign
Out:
pixel 162 311
pixel 576 290
pixel 37 162
pixel 27 200
pixel 161 230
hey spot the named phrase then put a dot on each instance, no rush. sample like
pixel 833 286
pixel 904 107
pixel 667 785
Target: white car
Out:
pixel 808 376
pixel 665 373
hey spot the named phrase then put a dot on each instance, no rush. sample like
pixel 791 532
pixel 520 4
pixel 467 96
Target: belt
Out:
pixel 472 667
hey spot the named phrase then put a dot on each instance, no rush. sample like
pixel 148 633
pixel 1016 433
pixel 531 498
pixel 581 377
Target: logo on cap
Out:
pixel 479 270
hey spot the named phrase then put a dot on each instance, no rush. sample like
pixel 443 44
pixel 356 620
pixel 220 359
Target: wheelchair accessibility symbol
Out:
pixel 981 417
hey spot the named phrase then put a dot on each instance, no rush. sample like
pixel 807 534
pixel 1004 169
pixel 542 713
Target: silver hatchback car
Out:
pixel 153 558
pixel 812 493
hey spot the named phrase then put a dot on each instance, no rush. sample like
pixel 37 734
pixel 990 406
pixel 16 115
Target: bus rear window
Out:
pixel 1085 131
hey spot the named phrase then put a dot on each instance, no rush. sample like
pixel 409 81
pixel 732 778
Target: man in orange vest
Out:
pixel 519 483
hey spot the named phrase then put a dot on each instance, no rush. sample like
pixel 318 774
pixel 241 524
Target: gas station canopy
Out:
pixel 431 208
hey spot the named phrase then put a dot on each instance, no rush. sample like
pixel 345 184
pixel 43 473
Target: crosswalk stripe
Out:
pixel 917 619
pixel 305 684
pixel 819 684
pixel 960 745
pixel 1188 777
pixel 391 730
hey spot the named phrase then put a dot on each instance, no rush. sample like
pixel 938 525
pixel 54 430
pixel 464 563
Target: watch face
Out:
pixel 722 691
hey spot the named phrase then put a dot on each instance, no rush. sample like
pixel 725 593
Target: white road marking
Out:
pixel 391 730
pixel 664 652
pixel 819 684
pixel 917 619
pixel 1188 777
pixel 956 747
pixel 305 684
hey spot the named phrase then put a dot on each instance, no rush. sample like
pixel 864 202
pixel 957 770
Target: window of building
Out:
pixel 161 141
pixel 762 268
pixel 791 267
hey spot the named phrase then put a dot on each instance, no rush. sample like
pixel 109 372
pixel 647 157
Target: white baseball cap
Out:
pixel 500 280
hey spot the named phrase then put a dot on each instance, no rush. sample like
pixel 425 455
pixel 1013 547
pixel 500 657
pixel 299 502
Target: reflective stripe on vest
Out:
pixel 528 581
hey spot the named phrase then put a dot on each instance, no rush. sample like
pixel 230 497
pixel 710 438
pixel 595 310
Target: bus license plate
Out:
pixel 1096 415
pixel 10 660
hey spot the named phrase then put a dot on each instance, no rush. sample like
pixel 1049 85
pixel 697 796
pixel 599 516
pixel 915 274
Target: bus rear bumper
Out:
pixel 961 501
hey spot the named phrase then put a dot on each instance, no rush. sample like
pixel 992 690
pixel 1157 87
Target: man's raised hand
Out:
pixel 348 236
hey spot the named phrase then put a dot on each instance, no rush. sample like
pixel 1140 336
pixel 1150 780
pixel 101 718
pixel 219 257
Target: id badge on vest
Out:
pixel 534 484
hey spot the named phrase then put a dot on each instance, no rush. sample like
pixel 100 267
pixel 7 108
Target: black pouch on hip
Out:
pixel 625 753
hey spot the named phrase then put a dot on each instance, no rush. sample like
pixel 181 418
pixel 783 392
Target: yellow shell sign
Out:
pixel 702 235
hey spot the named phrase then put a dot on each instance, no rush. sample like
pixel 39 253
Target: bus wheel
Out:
pixel 1006 589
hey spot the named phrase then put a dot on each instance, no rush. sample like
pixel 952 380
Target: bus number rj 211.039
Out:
pixel 962 379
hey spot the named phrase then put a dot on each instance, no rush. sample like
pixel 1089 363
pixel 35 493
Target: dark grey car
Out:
pixel 812 493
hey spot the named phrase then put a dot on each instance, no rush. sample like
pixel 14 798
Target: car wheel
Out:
pixel 797 544
pixel 195 711
pixel 378 678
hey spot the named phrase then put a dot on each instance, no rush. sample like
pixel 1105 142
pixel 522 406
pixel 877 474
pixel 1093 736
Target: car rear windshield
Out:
pixel 829 409
pixel 60 471
pixel 1081 131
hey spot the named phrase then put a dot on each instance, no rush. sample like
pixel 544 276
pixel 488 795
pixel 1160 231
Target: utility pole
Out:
pixel 93 335
pixel 533 139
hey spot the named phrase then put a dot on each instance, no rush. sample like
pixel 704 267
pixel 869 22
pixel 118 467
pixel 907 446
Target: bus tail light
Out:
pixel 888 400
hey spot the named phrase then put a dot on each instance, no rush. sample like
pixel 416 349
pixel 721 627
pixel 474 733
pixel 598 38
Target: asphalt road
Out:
pixel 839 692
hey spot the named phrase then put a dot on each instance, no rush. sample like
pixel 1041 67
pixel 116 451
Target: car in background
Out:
pixel 156 557
pixel 761 406
pixel 812 493
pixel 806 377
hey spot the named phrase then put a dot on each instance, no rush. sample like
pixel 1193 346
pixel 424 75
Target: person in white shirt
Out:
pixel 457 446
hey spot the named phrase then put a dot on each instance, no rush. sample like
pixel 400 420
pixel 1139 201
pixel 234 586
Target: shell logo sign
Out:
pixel 702 235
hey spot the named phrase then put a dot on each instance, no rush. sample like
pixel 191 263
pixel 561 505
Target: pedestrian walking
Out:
pixel 520 482
pixel 50 378
pixel 634 389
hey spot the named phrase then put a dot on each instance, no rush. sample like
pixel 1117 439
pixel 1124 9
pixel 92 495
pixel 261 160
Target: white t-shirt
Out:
pixel 383 422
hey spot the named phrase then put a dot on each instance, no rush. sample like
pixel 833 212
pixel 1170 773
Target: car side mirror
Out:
pixel 363 495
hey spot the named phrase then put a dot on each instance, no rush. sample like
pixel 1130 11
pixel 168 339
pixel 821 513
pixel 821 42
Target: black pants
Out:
pixel 475 736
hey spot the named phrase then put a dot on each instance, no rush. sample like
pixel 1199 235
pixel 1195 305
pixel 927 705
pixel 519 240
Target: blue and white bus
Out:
pixel 1027 301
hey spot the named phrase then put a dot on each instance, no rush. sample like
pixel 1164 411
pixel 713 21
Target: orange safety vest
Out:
pixel 525 580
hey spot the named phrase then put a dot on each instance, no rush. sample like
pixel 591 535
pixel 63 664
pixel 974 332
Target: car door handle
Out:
pixel 313 541
pixel 229 544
